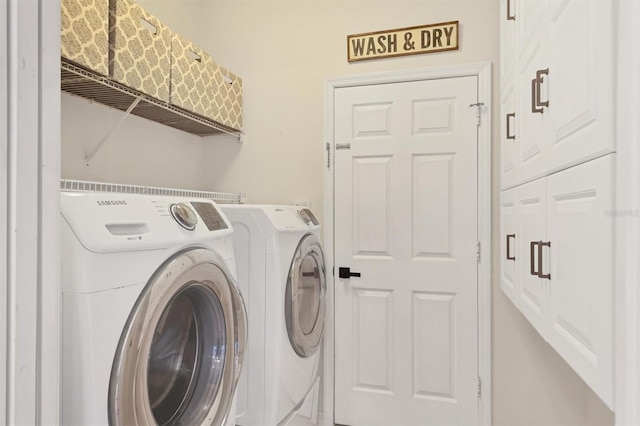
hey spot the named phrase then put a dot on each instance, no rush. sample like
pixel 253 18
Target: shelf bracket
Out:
pixel 95 150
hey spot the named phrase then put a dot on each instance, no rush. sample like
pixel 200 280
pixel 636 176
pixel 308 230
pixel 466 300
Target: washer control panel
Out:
pixel 210 215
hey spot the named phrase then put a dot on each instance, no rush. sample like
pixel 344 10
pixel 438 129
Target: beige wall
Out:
pixel 139 152
pixel 532 384
pixel 284 51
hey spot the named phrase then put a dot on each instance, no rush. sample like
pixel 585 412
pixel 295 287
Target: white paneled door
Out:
pixel 406 177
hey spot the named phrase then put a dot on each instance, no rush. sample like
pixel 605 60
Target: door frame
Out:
pixel 627 229
pixel 483 71
pixel 30 282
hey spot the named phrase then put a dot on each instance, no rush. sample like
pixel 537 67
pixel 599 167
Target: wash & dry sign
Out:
pixel 403 41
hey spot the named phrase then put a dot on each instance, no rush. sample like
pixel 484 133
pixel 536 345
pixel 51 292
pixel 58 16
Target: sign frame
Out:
pixel 403 41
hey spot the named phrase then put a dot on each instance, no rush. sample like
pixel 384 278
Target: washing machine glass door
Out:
pixel 178 358
pixel 305 297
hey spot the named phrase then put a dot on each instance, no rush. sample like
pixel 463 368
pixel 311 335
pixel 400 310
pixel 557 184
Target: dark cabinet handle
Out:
pixel 509 116
pixel 532 253
pixel 509 236
pixel 534 100
pixel 510 17
pixel 346 273
pixel 540 245
pixel 537 105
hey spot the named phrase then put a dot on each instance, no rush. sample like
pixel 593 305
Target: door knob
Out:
pixel 346 273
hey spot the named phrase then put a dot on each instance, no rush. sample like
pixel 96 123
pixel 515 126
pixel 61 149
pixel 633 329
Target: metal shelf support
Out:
pixel 94 151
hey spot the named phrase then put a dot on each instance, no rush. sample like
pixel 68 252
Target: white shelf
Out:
pixel 88 186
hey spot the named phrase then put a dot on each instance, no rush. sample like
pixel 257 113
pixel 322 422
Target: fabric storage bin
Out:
pixel 228 99
pixel 200 85
pixel 84 33
pixel 140 50
pixel 191 73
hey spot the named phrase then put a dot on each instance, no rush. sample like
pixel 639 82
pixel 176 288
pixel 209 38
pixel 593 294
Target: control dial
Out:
pixel 184 215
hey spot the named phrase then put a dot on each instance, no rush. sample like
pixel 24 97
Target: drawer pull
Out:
pixel 509 236
pixel 510 17
pixel 537 105
pixel 509 117
pixel 540 245
pixel 532 253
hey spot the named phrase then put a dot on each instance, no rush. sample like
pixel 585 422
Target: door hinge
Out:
pixel 478 251
pixel 479 387
pixel 478 106
pixel 328 156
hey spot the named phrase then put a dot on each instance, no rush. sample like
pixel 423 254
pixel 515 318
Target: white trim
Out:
pixel 32 212
pixel 4 255
pixel 627 296
pixel 483 72
pixel 484 229
pixel 328 225
pixel 49 337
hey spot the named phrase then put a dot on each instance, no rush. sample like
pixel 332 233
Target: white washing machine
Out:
pixel 282 277
pixel 154 326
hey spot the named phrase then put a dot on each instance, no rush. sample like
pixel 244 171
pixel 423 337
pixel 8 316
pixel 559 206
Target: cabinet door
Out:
pixel 581 84
pixel 531 228
pixel 508 245
pixel 530 16
pixel 581 232
pixel 508 46
pixel 533 119
pixel 508 135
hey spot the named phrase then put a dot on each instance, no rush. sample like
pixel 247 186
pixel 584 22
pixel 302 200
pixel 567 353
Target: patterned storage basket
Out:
pixel 200 85
pixel 140 50
pixel 228 99
pixel 84 33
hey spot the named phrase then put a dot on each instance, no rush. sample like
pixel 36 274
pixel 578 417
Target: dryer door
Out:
pixel 179 357
pixel 305 297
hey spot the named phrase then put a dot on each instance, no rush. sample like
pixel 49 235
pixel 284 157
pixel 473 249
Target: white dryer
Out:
pixel 154 327
pixel 281 274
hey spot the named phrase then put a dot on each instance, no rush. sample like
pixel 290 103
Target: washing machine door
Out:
pixel 180 355
pixel 305 297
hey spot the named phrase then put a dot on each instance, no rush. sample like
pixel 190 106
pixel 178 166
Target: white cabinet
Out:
pixel 557 264
pixel 580 228
pixel 557 85
pixel 557 142
pixel 531 230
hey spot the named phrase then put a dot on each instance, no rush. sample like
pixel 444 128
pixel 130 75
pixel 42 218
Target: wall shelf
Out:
pixel 84 83
pixel 88 186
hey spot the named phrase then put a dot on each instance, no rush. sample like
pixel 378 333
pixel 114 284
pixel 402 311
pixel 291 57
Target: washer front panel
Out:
pixel 180 354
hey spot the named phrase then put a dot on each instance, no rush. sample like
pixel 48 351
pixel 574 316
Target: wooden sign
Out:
pixel 403 41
